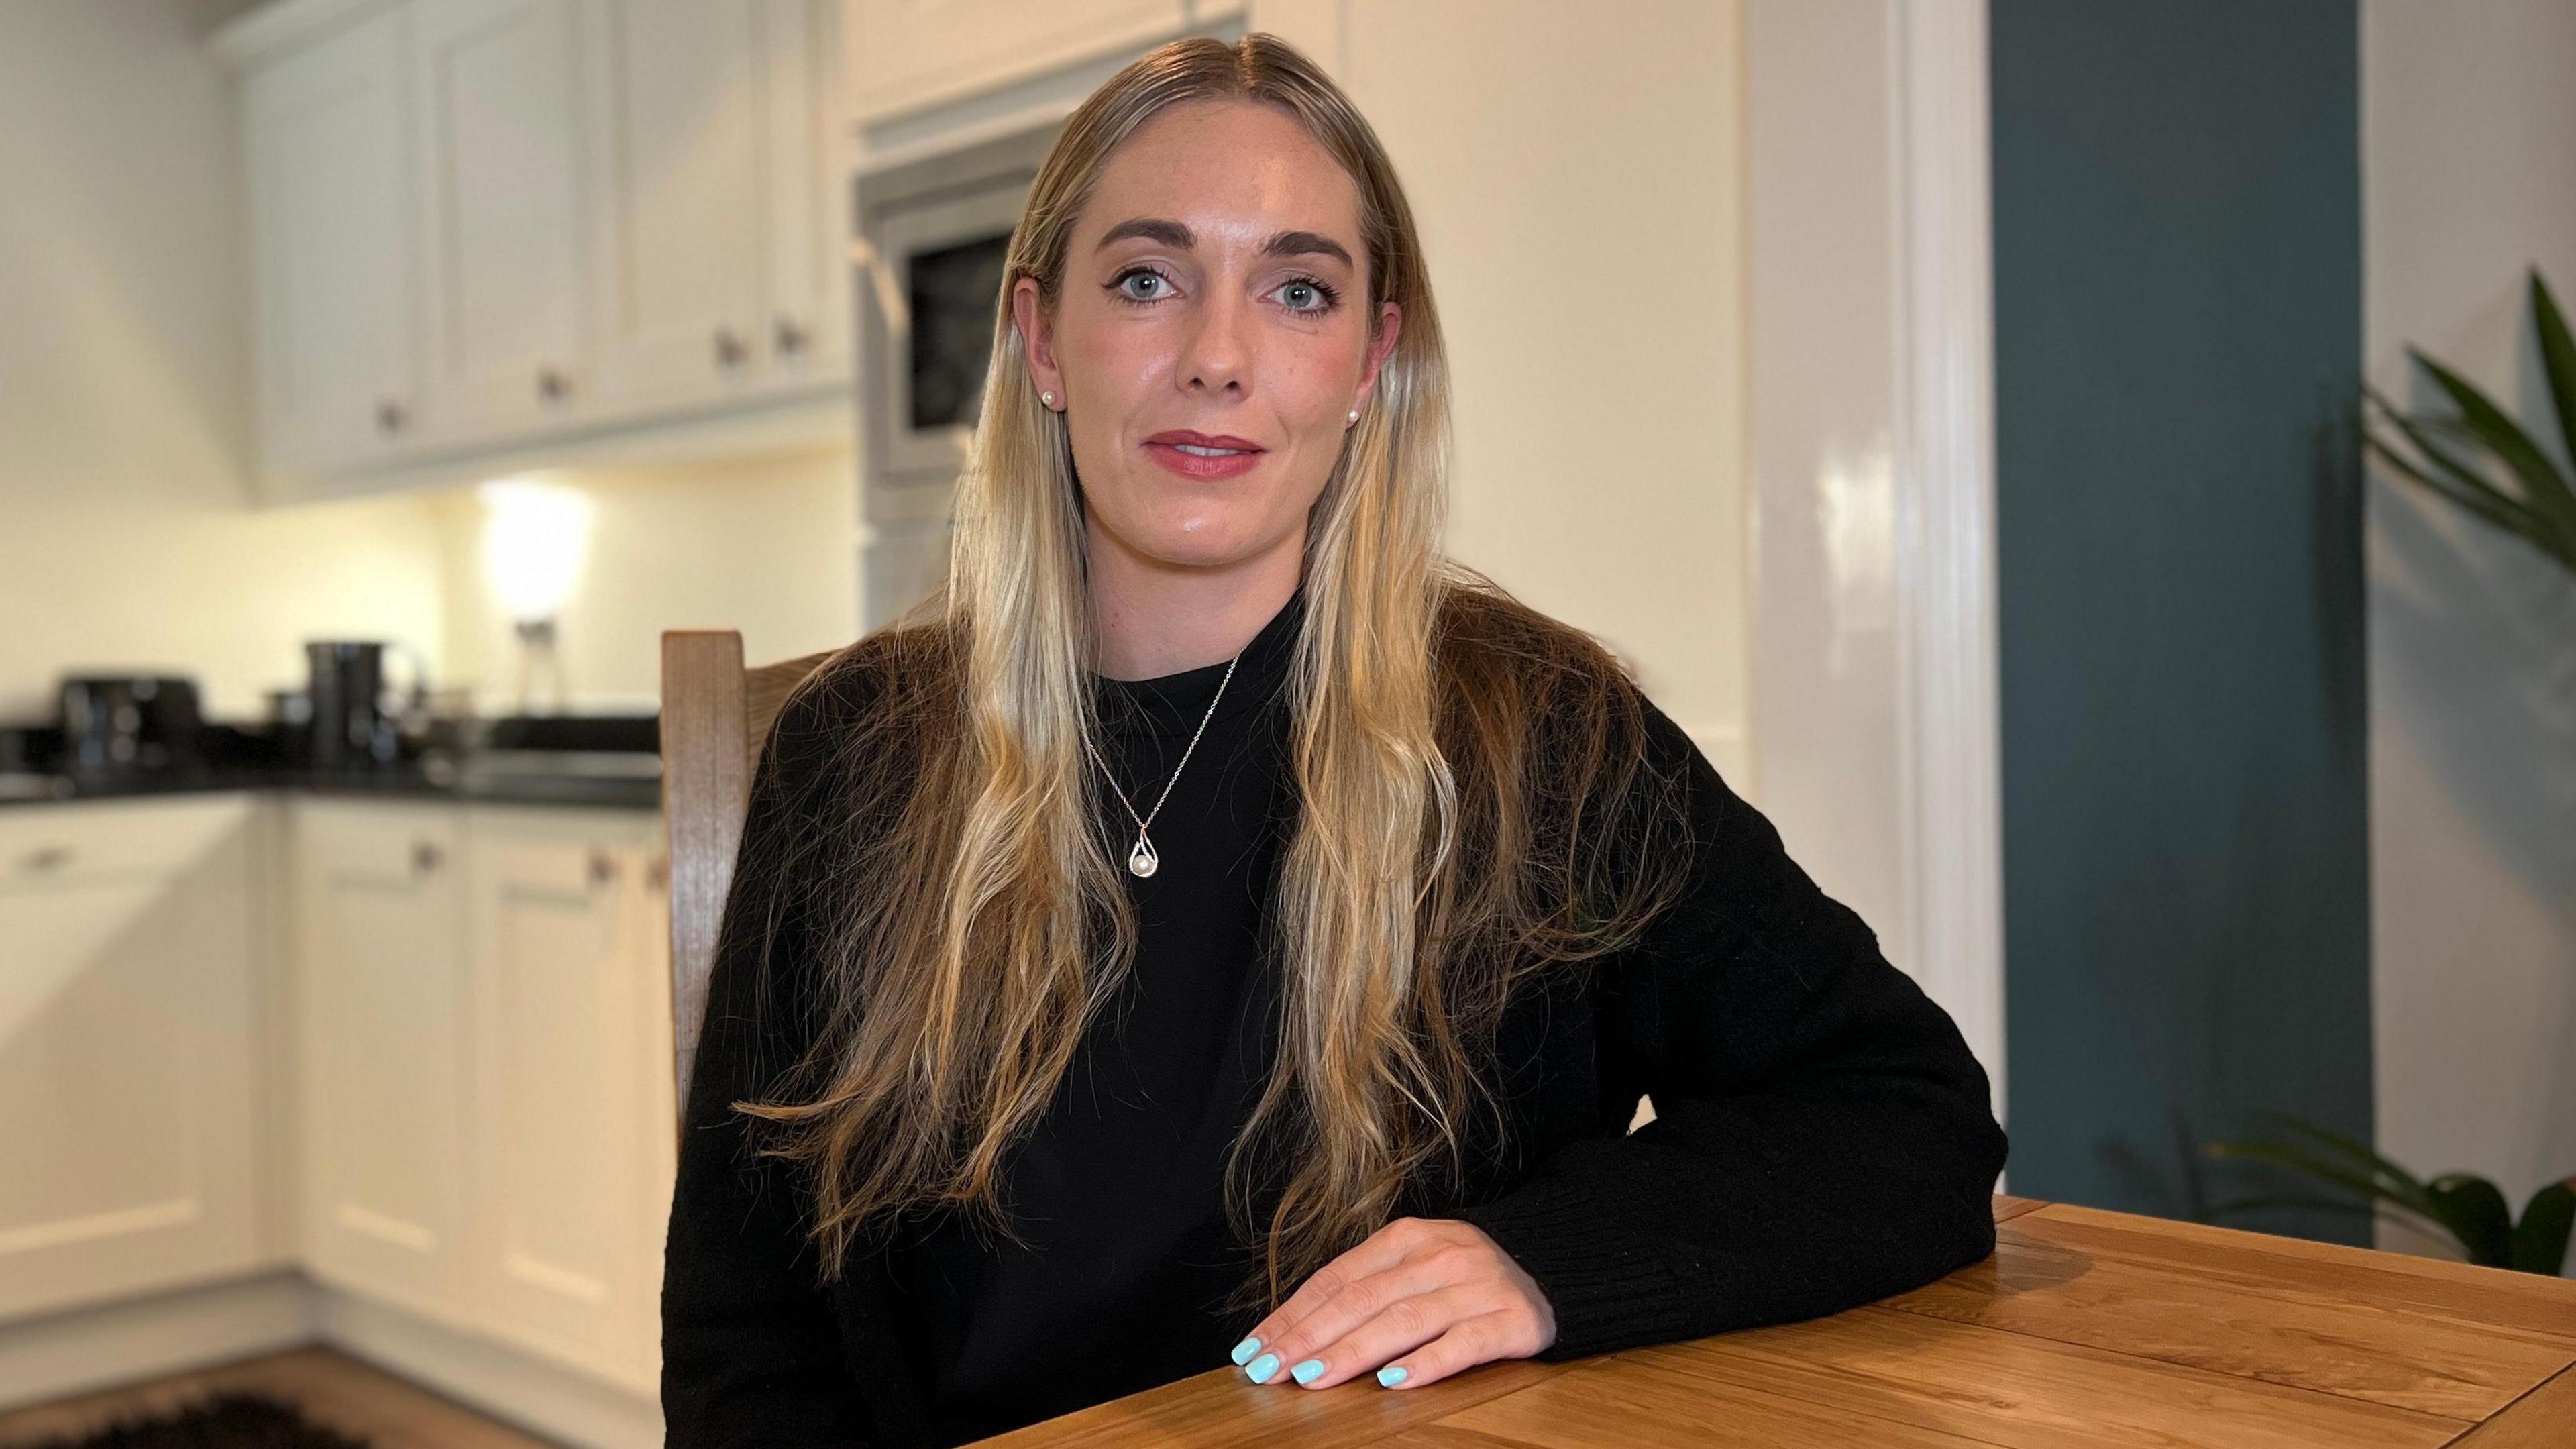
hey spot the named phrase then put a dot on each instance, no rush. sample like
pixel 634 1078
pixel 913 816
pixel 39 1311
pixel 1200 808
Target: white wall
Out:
pixel 1710 343
pixel 759 544
pixel 126 541
pixel 1578 173
pixel 2468 180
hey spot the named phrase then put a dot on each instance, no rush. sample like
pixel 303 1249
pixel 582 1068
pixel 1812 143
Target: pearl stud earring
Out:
pixel 1048 398
pixel 1355 415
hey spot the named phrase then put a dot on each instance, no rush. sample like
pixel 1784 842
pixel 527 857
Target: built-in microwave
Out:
pixel 933 236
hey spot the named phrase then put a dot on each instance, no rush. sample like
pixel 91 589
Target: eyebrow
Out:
pixel 1177 234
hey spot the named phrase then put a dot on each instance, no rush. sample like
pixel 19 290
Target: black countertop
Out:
pixel 518 786
pixel 610 762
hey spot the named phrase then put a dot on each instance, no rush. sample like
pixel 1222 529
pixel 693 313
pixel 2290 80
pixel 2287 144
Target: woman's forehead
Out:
pixel 1231 174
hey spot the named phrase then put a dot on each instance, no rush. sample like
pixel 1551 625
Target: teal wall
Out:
pixel 2177 232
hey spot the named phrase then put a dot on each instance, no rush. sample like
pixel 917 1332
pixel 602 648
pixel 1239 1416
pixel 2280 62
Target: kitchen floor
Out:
pixel 332 1388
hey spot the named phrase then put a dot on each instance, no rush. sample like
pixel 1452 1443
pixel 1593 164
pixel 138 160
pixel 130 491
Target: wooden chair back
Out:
pixel 715 716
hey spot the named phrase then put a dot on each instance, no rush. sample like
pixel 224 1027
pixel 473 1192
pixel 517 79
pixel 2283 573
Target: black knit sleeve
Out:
pixel 1822 1135
pixel 751 1354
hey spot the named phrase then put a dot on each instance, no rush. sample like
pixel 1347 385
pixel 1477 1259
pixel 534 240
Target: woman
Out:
pixel 1214 926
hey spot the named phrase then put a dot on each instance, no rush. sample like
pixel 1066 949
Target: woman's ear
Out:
pixel 1390 322
pixel 1037 337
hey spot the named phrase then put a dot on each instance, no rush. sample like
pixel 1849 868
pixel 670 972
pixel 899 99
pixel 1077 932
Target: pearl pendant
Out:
pixel 1142 860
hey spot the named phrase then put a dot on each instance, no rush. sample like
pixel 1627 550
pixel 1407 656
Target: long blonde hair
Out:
pixel 1474 798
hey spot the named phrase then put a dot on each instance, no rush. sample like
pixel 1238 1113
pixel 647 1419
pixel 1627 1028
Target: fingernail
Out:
pixel 1389 1376
pixel 1309 1371
pixel 1260 1369
pixel 1246 1349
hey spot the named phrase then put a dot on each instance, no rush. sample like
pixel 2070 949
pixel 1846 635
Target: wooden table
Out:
pixel 2086 1328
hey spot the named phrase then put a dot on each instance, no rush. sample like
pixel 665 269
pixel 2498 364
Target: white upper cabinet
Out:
pixel 500 165
pixel 677 119
pixel 327 130
pixel 496 234
pixel 908 55
pixel 808 207
pixel 717 233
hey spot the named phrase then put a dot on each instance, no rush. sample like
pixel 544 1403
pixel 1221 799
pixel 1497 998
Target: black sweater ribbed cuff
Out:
pixel 1610 1286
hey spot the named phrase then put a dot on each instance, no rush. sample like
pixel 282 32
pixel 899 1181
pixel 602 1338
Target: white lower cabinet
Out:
pixel 489 1108
pixel 574 1113
pixel 131 1016
pixel 381 1002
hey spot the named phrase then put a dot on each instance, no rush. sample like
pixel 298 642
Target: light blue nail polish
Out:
pixel 1260 1369
pixel 1309 1371
pixel 1246 1349
pixel 1389 1376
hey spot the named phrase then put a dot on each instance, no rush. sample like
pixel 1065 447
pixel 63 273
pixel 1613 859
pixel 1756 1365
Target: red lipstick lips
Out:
pixel 1195 454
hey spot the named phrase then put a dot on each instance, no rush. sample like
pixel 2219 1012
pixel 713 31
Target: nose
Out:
pixel 1216 350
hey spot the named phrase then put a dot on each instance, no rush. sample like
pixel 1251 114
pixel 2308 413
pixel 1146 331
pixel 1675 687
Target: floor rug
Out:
pixel 229 1420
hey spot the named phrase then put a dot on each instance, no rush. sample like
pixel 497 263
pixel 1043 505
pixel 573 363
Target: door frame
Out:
pixel 1877 740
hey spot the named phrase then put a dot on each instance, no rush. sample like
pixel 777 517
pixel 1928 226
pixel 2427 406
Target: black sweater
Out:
pixel 1821 1137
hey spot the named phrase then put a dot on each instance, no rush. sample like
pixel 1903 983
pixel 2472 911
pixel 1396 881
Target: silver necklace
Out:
pixel 1143 861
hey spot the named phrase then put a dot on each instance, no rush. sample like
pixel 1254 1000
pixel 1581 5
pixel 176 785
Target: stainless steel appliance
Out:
pixel 932 233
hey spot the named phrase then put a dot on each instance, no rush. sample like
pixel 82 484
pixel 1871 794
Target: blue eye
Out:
pixel 1326 297
pixel 1118 285
pixel 1329 299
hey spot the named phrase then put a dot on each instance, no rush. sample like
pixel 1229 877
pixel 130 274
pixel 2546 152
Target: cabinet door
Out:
pixel 327 134
pixel 679 122
pixel 501 172
pixel 905 55
pixel 808 204
pixel 382 999
pixel 129 1022
pixel 566 1259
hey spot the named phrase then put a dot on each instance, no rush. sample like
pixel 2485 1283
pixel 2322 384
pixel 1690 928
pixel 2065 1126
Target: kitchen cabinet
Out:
pixel 500 174
pixel 327 131
pixel 910 55
pixel 572 1131
pixel 488 1083
pixel 381 997
pixel 719 229
pixel 504 234
pixel 131 1025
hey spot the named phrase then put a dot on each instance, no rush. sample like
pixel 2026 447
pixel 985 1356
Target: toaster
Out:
pixel 129 724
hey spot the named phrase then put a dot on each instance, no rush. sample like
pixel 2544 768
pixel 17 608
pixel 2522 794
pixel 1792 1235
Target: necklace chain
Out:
pixel 1144 860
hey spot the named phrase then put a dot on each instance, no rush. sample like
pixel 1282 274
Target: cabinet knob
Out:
pixel 426 857
pixel 791 338
pixel 390 416
pixel 603 868
pixel 46 859
pixel 729 349
pixel 552 385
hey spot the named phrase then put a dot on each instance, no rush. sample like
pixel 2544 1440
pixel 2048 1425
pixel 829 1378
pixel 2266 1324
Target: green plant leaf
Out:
pixel 2315 1164
pixel 2474 1210
pixel 2544 488
pixel 2453 476
pixel 2540 1239
pixel 2477 497
pixel 2360 1152
pixel 2557 359
pixel 2455 479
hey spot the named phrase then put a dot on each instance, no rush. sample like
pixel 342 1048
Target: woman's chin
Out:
pixel 1198 542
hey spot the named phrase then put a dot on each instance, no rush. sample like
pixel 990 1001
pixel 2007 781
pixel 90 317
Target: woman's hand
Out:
pixel 1421 1299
